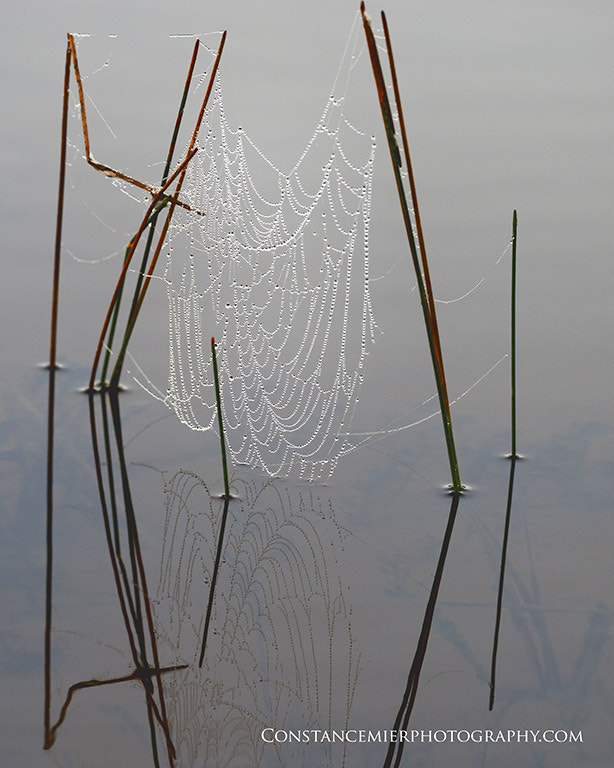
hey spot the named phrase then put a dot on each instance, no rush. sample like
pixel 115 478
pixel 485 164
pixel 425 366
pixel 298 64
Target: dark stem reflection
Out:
pixel 395 749
pixel 132 590
pixel 495 645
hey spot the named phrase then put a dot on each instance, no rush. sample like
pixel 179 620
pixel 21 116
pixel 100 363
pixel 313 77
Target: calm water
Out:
pixel 323 587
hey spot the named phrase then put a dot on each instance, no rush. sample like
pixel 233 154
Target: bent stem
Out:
pixel 422 273
pixel 85 684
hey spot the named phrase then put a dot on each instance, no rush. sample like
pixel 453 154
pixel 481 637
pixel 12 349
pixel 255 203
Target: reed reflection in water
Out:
pixel 280 649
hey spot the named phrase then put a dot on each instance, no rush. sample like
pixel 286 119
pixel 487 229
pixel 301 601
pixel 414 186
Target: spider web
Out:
pixel 276 266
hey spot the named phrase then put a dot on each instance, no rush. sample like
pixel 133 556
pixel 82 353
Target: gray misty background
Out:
pixel 508 105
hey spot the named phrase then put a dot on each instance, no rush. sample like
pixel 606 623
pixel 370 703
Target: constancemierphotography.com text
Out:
pixel 436 736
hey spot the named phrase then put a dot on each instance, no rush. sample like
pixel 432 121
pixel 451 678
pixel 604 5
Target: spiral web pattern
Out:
pixel 275 265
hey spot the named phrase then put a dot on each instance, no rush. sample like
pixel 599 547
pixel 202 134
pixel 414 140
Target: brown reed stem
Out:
pixel 51 405
pixel 154 217
pixel 414 197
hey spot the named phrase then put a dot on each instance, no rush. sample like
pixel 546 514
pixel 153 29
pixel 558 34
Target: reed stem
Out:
pixel 158 197
pixel 165 174
pixel 112 327
pixel 51 405
pixel 218 399
pixel 422 273
pixel 513 332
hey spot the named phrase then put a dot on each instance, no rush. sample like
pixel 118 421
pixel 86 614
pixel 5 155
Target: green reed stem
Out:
pixel 423 280
pixel 513 332
pixel 218 399
pixel 158 197
pixel 151 223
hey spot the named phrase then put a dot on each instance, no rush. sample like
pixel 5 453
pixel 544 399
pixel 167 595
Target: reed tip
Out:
pixel 212 341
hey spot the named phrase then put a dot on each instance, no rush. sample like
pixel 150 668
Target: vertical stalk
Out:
pixel 513 332
pixel 111 336
pixel 51 406
pixel 513 457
